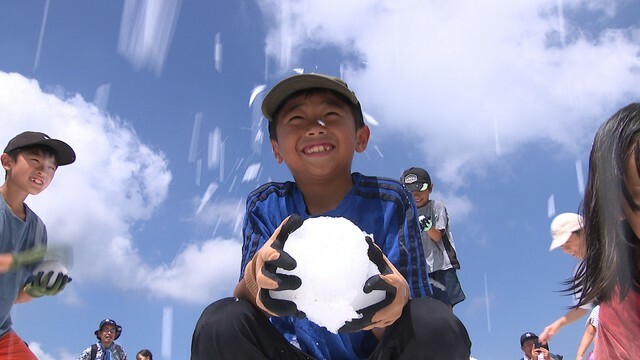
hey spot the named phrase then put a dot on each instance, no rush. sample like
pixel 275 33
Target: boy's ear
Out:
pixel 276 151
pixel 362 138
pixel 7 161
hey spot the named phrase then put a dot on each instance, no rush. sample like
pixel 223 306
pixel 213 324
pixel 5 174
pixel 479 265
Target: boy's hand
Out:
pixel 30 256
pixel 260 273
pixel 538 351
pixel 387 311
pixel 425 222
pixel 38 286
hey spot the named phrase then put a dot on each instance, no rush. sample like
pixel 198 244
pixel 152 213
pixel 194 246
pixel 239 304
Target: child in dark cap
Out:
pixel 532 349
pixel 316 126
pixel 439 248
pixel 30 161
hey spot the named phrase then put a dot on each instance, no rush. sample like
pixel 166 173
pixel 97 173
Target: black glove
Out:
pixel 389 309
pixel 260 273
pixel 425 222
pixel 39 285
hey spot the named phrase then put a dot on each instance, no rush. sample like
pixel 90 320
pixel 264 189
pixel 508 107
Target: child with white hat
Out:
pixel 567 234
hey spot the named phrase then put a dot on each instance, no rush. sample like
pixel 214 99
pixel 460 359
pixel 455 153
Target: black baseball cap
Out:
pixel 526 337
pixel 295 83
pixel 64 153
pixel 109 322
pixel 416 179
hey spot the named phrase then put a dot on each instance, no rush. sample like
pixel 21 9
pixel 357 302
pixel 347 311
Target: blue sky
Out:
pixel 499 100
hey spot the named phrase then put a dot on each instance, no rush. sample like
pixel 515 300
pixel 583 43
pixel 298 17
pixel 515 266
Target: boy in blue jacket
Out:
pixel 316 126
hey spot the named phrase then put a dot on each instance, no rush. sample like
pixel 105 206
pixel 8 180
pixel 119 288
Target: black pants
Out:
pixel 234 329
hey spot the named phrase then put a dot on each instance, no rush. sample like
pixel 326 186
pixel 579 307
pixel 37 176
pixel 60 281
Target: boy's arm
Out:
pixel 5 262
pixel 440 222
pixel 28 257
pixel 587 338
pixel 22 297
pixel 571 316
pixel 435 234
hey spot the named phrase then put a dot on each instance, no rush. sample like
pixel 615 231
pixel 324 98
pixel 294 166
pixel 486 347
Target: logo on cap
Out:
pixel 410 178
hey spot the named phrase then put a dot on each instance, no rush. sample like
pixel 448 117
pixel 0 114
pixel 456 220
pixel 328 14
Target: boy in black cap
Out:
pixel 106 348
pixel 316 126
pixel 439 248
pixel 534 350
pixel 30 161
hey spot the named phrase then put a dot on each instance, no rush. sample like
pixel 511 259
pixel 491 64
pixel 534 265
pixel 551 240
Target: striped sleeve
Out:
pixel 262 217
pixel 401 242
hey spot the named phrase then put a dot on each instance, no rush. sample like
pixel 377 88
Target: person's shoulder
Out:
pixel 380 183
pixel 389 192
pixel 271 188
pixel 32 213
pixel 437 206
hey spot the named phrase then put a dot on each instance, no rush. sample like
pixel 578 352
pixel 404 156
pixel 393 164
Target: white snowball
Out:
pixel 51 265
pixel 332 262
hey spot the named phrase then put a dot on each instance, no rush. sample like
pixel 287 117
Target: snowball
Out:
pixel 332 262
pixel 50 265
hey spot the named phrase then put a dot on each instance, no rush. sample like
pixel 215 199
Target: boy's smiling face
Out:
pixel 421 197
pixel 107 334
pixel 315 149
pixel 32 171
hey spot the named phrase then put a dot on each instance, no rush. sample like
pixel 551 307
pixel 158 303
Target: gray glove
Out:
pixel 38 286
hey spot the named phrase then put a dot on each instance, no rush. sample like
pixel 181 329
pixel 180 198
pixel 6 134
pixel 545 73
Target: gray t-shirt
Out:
pixel 440 255
pixel 16 235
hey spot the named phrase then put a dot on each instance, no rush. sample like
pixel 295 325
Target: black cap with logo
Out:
pixel 416 179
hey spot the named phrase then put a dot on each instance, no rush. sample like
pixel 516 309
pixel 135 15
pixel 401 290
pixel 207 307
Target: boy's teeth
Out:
pixel 317 149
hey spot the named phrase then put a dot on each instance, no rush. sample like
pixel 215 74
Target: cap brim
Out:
pixel 295 83
pixel 416 186
pixel 559 240
pixel 64 152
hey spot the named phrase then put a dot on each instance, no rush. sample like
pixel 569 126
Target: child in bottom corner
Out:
pixel 440 250
pixel 610 271
pixel 316 125
pixel 105 348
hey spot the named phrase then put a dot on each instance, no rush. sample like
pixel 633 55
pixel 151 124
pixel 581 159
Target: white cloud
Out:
pixel 200 273
pixel 41 354
pixel 460 71
pixel 37 350
pixel 459 207
pixel 116 182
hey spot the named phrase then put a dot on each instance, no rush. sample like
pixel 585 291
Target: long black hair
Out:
pixel 144 352
pixel 612 247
